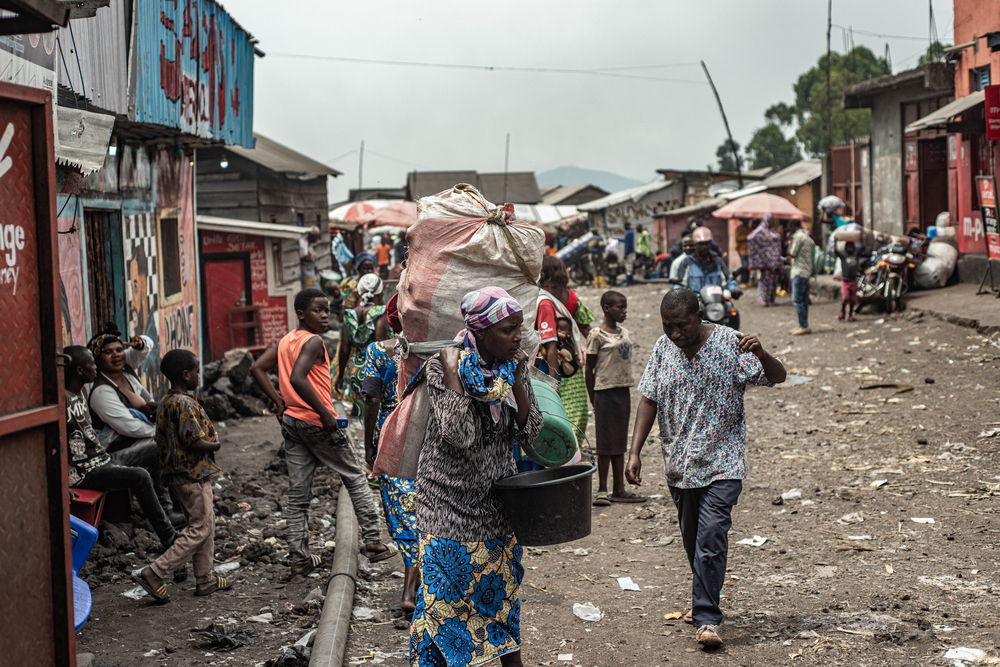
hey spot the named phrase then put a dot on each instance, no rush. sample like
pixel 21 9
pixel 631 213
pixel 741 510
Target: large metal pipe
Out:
pixel 330 643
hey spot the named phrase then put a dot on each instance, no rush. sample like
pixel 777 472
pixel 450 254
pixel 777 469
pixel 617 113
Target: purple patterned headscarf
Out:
pixel 485 307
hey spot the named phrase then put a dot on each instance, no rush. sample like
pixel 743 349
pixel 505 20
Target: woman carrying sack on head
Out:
pixel 481 407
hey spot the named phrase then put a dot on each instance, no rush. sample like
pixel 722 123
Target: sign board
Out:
pixel 988 205
pixel 992 106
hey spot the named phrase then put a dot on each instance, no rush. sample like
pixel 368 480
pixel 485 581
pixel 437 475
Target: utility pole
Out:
pixel 829 107
pixel 506 166
pixel 725 121
pixel 361 164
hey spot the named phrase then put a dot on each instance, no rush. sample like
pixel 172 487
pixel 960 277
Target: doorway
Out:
pixel 225 285
pixel 933 179
pixel 105 270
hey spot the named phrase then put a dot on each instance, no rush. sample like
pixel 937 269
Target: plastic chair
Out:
pixel 88 505
pixel 82 537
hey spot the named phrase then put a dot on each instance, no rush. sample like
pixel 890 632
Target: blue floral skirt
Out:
pixel 467 610
pixel 398 495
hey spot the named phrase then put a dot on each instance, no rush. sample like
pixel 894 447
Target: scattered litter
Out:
pixel 918 519
pixel 244 506
pixel 225 637
pixel 826 387
pixel 315 594
pixel 793 380
pixel 900 388
pixel 261 618
pixel 943 628
pixel 136 593
pixel 364 613
pixel 673 615
pixel 565 657
pixel 990 433
pixel 627 584
pixel 965 654
pixel 293 656
pixel 755 541
pixel 152 653
pixel 859 537
pixel 581 552
pixel 919 406
pixel 853 517
pixel 587 612
pixel 792 494
pixel 889 569
pixel 223 568
pixel 306 639
pixel 879 483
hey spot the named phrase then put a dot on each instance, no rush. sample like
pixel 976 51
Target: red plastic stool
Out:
pixel 88 505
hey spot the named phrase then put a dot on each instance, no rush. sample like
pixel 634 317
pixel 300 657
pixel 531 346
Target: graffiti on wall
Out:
pixel 196 67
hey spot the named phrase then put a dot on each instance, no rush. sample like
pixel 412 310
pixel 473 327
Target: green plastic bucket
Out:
pixel 556 444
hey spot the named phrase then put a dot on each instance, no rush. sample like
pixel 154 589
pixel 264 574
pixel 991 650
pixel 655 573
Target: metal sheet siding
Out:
pixel 99 57
pixel 193 70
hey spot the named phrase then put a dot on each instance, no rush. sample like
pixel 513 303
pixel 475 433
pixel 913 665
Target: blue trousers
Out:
pixel 705 518
pixel 800 298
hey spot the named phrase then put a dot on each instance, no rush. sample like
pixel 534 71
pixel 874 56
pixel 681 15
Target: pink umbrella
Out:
pixel 351 212
pixel 397 214
pixel 760 205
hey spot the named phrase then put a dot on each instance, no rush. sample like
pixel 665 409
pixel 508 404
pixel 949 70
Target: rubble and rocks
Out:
pixel 228 388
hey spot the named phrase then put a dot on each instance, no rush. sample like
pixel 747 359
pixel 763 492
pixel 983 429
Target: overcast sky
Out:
pixel 436 118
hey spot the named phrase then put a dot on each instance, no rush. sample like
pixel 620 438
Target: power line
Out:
pixel 488 68
pixel 880 35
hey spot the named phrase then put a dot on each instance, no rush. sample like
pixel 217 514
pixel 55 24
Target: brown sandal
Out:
pixel 220 584
pixel 379 556
pixel 159 594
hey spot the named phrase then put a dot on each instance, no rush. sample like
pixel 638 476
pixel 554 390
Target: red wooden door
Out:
pixel 35 588
pixel 227 285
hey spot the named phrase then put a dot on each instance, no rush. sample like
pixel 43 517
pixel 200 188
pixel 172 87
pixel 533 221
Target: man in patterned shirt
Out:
pixel 693 387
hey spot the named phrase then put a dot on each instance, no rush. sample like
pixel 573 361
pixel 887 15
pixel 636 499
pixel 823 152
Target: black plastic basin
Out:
pixel 548 506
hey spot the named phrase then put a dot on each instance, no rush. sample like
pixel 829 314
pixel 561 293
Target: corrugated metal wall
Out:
pixel 193 70
pixel 99 57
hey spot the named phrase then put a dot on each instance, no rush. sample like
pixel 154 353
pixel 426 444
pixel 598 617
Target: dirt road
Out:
pixel 845 577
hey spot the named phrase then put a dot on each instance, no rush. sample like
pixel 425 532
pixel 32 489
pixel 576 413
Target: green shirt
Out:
pixel 644 245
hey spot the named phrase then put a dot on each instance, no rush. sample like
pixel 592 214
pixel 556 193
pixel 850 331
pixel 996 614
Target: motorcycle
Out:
pixel 888 278
pixel 718 306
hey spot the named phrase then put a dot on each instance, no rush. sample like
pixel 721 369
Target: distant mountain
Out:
pixel 573 175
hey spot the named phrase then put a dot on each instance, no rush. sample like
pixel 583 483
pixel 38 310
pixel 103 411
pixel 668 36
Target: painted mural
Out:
pixel 171 323
pixel 195 70
pixel 74 317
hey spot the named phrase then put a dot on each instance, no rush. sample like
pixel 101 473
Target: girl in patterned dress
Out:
pixel 481 406
pixel 765 256
pixel 381 374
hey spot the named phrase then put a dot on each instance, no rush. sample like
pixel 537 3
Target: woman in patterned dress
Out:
pixel 764 245
pixel 363 324
pixel 481 406
pixel 381 374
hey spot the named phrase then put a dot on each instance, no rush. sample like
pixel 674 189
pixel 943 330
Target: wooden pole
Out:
pixel 506 167
pixel 725 121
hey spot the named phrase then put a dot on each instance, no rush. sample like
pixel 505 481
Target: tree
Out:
pixel 934 54
pixel 769 147
pixel 812 99
pixel 727 154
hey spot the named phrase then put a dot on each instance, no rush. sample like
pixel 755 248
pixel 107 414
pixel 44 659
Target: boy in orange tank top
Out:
pixel 309 426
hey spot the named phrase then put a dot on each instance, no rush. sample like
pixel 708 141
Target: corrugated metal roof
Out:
pixel 943 115
pixel 192 69
pixel 543 213
pixel 269 229
pixel 95 50
pixel 426 183
pixel 282 159
pixel 796 175
pixel 622 196
pixel 522 188
pixel 561 193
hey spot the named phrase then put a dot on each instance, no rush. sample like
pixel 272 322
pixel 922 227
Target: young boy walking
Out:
pixel 187 442
pixel 309 426
pixel 609 379
pixel 850 266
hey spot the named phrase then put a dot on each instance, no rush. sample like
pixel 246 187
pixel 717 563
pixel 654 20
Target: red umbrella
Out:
pixel 396 214
pixel 351 212
pixel 760 205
